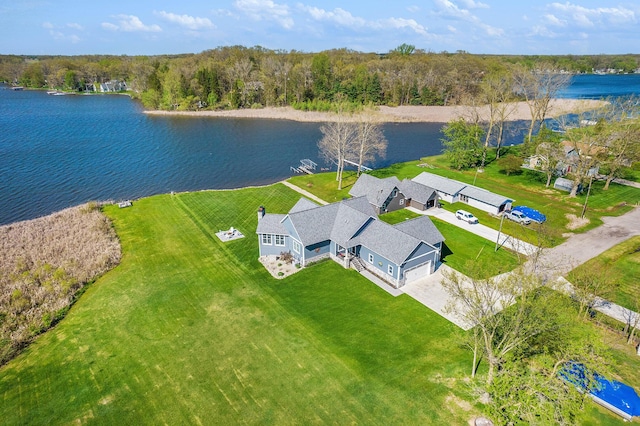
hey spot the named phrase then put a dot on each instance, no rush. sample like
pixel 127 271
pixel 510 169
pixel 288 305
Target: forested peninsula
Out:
pixel 238 77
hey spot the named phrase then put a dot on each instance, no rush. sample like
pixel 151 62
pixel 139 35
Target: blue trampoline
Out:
pixel 532 214
pixel 616 396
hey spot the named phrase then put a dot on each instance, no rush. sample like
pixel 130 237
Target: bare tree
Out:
pixel 623 149
pixel 370 141
pixel 538 87
pixel 589 287
pixel 550 154
pixel 496 92
pixel 338 142
pixel 490 305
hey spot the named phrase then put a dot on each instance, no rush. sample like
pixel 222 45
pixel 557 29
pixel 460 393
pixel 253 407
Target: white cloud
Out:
pixel 109 26
pixel 585 17
pixel 190 22
pixel 266 10
pixel 343 18
pixel 130 23
pixel 471 4
pixel 338 16
pixel 413 9
pixel 75 26
pixel 401 23
pixel 47 25
pixel 450 10
pixel 554 20
pixel 57 35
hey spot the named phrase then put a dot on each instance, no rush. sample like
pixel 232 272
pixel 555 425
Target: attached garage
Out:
pixel 418 272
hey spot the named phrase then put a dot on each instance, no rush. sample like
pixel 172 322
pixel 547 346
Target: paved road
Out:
pixel 581 247
pixel 480 230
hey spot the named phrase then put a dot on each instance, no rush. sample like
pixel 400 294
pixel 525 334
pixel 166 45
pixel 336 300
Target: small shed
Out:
pixel 565 185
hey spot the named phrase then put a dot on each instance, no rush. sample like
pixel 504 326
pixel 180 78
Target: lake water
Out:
pixel 60 151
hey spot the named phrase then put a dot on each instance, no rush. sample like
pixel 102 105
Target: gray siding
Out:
pixel 317 251
pixel 273 249
pixel 393 203
pixel 380 263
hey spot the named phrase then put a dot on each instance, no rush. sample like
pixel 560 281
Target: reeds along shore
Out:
pixel 401 114
pixel 43 263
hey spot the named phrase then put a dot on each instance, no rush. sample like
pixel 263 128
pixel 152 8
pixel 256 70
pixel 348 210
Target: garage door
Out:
pixel 419 272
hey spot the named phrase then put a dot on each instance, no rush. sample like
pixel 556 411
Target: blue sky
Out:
pixel 71 27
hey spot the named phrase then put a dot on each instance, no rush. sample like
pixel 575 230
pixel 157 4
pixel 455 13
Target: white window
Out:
pixel 266 239
pixel 395 193
pixel 279 240
pixel 371 258
pixel 402 201
pixel 390 270
pixel 296 247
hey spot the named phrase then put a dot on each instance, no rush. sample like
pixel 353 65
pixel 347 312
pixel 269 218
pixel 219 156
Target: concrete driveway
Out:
pixel 480 230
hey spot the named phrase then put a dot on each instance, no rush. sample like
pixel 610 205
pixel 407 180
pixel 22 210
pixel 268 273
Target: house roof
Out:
pixel 421 228
pixel 485 196
pixel 302 205
pixel 388 241
pixel 417 191
pixel 348 222
pixel 271 224
pixel 376 190
pixel 314 225
pixel 337 221
pixel 453 187
pixel 439 183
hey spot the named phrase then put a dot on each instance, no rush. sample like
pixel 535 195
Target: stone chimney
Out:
pixel 261 212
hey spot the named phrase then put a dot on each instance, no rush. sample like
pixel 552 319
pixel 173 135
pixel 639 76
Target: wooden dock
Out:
pixel 306 166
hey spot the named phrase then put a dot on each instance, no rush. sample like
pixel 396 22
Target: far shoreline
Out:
pixel 386 114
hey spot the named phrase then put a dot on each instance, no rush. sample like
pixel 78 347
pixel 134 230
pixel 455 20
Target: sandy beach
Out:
pixel 401 114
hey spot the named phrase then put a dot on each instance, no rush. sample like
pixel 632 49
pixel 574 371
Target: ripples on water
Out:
pixel 59 151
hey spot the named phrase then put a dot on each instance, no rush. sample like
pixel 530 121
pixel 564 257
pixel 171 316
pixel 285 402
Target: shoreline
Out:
pixel 386 114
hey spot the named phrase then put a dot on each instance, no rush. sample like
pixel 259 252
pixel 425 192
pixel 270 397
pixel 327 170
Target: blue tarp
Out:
pixel 614 393
pixel 532 214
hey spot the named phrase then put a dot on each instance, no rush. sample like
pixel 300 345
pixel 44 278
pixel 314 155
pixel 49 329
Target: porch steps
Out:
pixel 356 262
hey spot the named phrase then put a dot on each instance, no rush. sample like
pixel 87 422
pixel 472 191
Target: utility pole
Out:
pixel 499 232
pixel 584 208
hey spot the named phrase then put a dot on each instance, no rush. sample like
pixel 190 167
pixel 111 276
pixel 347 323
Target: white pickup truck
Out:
pixel 517 217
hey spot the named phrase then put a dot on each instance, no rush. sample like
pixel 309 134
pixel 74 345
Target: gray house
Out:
pixel 350 233
pixel 452 191
pixel 390 194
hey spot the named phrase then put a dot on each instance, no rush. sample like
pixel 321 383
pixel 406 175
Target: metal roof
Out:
pixel 439 183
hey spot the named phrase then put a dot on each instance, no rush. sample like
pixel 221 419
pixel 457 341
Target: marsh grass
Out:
pixel 43 264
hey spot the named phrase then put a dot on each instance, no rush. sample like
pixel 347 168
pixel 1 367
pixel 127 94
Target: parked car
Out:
pixel 466 216
pixel 518 217
pixel 532 214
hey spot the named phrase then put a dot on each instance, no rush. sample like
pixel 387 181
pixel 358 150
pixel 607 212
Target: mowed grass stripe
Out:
pixel 180 333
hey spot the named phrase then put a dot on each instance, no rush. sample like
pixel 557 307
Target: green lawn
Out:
pixel 190 330
pixel 466 252
pixel 622 266
pixel 526 188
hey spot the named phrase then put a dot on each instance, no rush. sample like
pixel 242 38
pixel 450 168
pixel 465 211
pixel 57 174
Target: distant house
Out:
pixel 390 194
pixel 112 86
pixel 350 233
pixel 452 191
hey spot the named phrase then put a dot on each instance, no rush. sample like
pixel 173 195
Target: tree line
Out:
pixel 241 77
